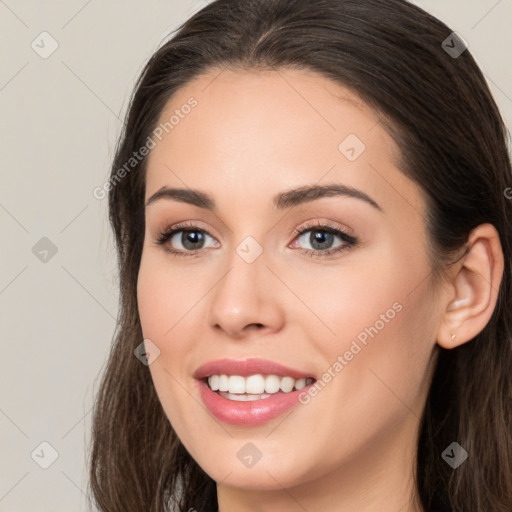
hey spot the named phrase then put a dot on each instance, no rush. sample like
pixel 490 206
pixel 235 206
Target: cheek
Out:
pixel 361 293
pixel 385 360
pixel 149 299
pixel 378 334
pixel 164 296
pixel 161 306
pixel 167 301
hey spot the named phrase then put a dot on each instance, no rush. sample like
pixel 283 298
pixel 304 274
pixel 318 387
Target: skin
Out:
pixel 251 136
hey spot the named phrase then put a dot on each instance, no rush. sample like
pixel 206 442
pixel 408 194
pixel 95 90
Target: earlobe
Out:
pixel 474 288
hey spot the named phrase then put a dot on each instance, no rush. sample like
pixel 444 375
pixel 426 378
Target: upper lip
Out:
pixel 247 367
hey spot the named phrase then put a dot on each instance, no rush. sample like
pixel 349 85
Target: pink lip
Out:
pixel 253 412
pixel 247 367
pixel 248 413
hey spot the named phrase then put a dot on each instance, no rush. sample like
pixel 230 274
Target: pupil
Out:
pixel 190 239
pixel 320 239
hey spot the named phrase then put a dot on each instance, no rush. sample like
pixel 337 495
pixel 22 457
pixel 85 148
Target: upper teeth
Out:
pixel 255 384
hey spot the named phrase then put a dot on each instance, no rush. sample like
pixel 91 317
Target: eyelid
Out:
pixel 193 224
pixel 321 224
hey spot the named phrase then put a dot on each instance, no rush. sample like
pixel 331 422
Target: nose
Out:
pixel 246 299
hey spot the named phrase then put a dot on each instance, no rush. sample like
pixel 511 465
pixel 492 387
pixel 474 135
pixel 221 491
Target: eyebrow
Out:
pixel 282 201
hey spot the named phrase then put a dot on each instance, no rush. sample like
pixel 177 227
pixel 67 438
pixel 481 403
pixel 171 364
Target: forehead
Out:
pixel 287 100
pixel 252 131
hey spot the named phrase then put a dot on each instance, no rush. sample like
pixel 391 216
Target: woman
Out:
pixel 310 210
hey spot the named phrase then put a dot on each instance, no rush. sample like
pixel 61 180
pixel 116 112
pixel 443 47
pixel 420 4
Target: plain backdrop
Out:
pixel 60 116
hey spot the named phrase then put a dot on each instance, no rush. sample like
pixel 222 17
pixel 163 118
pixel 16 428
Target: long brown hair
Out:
pixel 437 106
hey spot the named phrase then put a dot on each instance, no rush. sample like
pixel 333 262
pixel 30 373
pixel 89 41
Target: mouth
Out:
pixel 251 391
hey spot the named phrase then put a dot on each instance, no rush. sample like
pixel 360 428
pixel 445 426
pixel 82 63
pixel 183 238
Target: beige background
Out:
pixel 60 118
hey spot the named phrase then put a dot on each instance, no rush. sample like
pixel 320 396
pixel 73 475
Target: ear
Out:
pixel 473 290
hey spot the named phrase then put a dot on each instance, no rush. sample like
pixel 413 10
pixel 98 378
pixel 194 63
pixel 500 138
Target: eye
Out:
pixel 321 237
pixel 191 239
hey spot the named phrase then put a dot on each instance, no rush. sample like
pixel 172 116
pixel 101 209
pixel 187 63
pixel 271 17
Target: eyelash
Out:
pixel 349 240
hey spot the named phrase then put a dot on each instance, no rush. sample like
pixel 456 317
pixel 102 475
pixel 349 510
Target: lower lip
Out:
pixel 254 412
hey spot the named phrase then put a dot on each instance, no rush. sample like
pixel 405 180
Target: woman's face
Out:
pixel 356 313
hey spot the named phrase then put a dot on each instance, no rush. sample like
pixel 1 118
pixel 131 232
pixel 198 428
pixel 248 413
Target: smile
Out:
pixel 254 387
pixel 250 391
